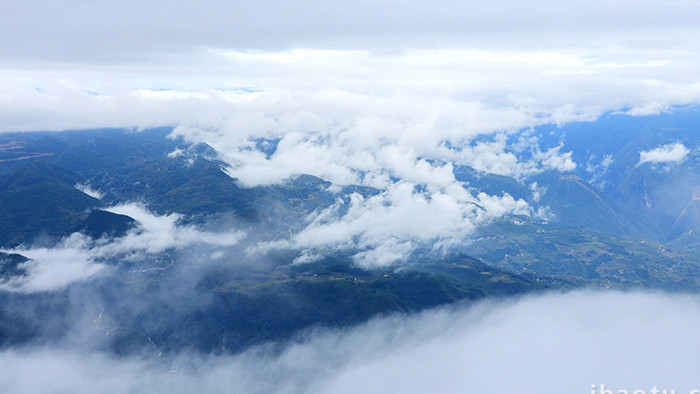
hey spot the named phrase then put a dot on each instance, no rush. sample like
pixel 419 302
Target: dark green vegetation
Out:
pixel 158 305
pixel 586 257
pixel 40 199
pixel 228 310
pixel 101 224
pixel 611 222
pixel 39 203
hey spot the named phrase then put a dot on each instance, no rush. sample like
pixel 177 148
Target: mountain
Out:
pixel 653 193
pixel 9 264
pixel 166 185
pixel 224 273
pixel 40 203
pixel 41 200
pixel 551 250
pixel 237 308
pixel 85 152
pixel 101 224
pixel 576 203
pixel 569 199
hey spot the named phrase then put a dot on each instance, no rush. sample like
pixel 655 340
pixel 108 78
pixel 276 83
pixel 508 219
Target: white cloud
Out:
pixel 78 258
pixel 489 69
pixel 497 156
pixel 537 191
pixel 364 103
pixel 54 268
pixel 85 188
pixel 388 226
pixel 167 95
pixel 598 168
pixel 553 344
pixel 651 108
pixel 671 153
pixel 383 254
pixel 552 159
pixel 491 156
pixel 158 233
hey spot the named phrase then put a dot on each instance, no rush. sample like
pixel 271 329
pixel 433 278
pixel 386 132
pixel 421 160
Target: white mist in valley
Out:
pixel 548 343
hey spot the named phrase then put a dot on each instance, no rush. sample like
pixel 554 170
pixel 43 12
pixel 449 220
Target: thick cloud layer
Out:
pixel 455 67
pixel 453 92
pixel 554 343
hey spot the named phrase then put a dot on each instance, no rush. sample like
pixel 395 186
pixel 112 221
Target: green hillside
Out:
pixel 41 200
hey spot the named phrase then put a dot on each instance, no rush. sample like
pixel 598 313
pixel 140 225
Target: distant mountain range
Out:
pixel 626 216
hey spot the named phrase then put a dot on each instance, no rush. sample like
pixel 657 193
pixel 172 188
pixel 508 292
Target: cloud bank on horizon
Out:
pixel 451 68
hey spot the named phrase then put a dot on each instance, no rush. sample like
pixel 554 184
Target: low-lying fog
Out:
pixel 553 343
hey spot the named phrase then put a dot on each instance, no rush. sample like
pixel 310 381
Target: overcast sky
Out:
pixel 73 64
pixel 138 31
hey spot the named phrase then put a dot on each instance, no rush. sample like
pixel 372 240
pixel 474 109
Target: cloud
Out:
pixel 550 344
pixel 647 109
pixel 552 159
pixel 55 268
pixel 498 156
pixel 384 143
pixel 158 233
pixel 492 156
pixel 85 188
pixel 387 227
pixel 553 343
pixel 79 258
pixel 451 92
pixel 598 168
pixel 449 68
pixel 671 153
pixel 537 191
